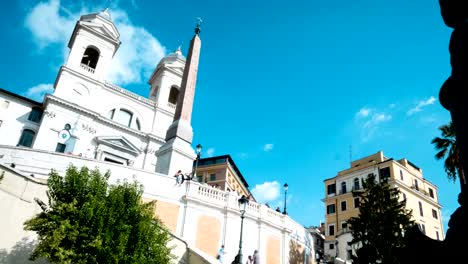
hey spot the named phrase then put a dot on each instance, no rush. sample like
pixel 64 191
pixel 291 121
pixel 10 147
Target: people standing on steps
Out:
pixel 179 177
pixel 220 254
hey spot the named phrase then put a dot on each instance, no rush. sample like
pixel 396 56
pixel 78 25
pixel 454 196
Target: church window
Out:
pixel 67 127
pixel 35 115
pixel 60 148
pixel 90 57
pixel 174 93
pixel 124 117
pixel 27 138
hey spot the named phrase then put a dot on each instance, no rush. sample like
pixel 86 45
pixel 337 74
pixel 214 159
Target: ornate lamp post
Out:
pixel 285 194
pixel 198 151
pixel 242 204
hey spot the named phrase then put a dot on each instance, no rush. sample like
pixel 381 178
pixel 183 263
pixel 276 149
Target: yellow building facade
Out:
pixel 222 172
pixel 421 197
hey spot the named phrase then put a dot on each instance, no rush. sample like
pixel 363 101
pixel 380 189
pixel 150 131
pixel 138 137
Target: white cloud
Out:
pixel 369 122
pixel 210 152
pixel 420 105
pixel 268 147
pixel 266 192
pixel 363 112
pixel 136 57
pixel 48 25
pixel 37 92
pixel 376 119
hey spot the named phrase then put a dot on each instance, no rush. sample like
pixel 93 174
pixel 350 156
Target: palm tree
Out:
pixel 447 148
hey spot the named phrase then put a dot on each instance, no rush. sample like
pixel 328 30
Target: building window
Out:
pixel 421 209
pixel 350 253
pixel 35 115
pixel 60 148
pixel 344 225
pixel 173 94
pixel 213 177
pixel 343 187
pixel 416 186
pixel 423 228
pixel 331 246
pixel 384 174
pixel 330 209
pixel 1 122
pixel 434 214
pixel 401 175
pixel 331 188
pixel 356 184
pixel 200 178
pixel 90 57
pixel 343 205
pixel 404 196
pixel 357 202
pixel 431 193
pixel 124 117
pixel 27 138
pixel 331 230
pixel 437 235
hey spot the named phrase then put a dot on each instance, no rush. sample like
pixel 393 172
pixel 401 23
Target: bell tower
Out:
pixel 93 44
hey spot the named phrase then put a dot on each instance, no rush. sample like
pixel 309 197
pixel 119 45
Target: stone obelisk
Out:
pixel 177 153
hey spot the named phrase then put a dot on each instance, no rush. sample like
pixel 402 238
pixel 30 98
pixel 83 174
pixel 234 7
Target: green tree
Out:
pixel 378 230
pixel 447 148
pixel 89 221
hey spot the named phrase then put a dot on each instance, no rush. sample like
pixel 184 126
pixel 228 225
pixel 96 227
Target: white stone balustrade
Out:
pixel 192 205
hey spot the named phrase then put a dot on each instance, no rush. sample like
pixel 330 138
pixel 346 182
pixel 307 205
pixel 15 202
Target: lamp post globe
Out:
pixel 242 205
pixel 198 151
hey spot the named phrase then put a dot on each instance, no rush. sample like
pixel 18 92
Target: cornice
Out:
pixel 98 117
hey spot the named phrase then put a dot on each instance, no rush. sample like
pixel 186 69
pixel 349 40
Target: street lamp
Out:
pixel 242 204
pixel 198 151
pixel 285 193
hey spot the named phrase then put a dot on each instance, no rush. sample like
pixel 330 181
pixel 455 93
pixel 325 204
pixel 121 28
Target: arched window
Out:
pixel 124 117
pixel 27 138
pixel 356 184
pixel 173 95
pixel 90 57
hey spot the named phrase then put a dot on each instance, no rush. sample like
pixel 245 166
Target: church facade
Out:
pixel 91 117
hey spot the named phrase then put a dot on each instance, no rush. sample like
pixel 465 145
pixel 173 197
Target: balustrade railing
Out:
pixel 87 68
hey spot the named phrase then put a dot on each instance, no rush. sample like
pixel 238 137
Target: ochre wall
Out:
pixel 168 213
pixel 273 253
pixel 208 235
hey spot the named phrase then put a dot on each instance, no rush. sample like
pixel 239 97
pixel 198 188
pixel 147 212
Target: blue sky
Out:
pixel 285 88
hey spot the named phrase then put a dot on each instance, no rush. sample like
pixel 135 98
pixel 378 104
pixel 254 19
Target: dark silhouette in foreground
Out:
pixel 421 249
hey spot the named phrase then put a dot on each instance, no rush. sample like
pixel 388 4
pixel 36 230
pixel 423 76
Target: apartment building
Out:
pixel 340 204
pixel 222 172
